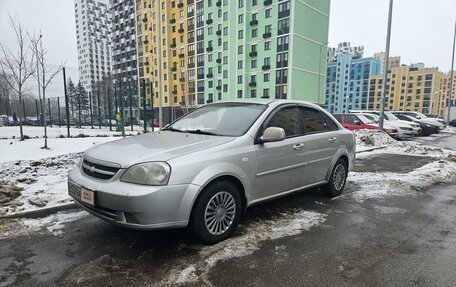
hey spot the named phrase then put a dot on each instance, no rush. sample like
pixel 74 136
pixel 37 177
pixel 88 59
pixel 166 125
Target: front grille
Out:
pixel 98 171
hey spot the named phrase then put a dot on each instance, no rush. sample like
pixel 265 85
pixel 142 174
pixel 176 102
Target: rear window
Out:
pixel 315 121
pixel 338 118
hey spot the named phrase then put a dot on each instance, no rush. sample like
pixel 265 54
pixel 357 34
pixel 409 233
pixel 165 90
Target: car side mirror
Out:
pixel 272 134
pixel 358 123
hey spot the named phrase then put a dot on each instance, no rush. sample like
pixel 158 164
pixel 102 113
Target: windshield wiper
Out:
pixel 200 132
pixel 174 130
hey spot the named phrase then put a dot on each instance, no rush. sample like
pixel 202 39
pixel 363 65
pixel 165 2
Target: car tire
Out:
pixel 337 179
pixel 216 212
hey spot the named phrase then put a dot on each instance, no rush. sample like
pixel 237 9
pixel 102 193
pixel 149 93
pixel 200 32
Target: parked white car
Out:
pixel 419 116
pixel 404 131
pixel 392 118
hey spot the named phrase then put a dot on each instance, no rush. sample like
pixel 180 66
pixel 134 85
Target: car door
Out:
pixel 320 138
pixel 351 122
pixel 281 165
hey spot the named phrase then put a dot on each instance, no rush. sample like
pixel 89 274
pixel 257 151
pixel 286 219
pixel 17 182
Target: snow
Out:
pixel 14 150
pixel 54 224
pixel 292 222
pixel 12 132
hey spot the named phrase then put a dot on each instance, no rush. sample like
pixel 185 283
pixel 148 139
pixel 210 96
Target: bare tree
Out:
pixel 44 74
pixel 18 64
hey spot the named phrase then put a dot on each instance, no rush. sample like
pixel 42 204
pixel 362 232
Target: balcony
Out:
pixel 172 21
pixel 181 55
pixel 174 69
pixel 182 79
pixel 219 3
pixel 253 22
pixel 253 54
pixel 252 84
pixel 181 30
pixel 180 5
pixel 209 49
pixel 173 45
pixel 267 2
pixel 209 21
pixel 219 61
pixel 210 75
pixel 174 92
pixel 266 67
pixel 219 88
pixel 144 20
pixel 267 35
pixel 146 42
pixel 219 32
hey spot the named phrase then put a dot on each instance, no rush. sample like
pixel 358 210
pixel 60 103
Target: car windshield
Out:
pixel 365 120
pixel 224 119
pixel 372 117
pixel 421 115
pixel 391 116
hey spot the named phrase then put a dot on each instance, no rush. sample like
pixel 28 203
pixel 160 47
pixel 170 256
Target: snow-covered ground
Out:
pixel 55 132
pixel 41 177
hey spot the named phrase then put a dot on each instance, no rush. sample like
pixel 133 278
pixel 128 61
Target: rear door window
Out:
pixel 289 119
pixel 315 122
pixel 349 119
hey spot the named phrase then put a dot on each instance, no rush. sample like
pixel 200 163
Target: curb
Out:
pixel 371 149
pixel 43 212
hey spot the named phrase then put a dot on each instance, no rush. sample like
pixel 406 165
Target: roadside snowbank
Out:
pixel 378 185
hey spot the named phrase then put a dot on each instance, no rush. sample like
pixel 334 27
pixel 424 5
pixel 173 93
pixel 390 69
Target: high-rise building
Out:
pixel 197 52
pixel 445 91
pixel 345 48
pixel 409 89
pixel 348 83
pixel 93 24
pixel 124 52
pixel 393 62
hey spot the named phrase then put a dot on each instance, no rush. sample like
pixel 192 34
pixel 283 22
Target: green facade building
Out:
pixel 259 49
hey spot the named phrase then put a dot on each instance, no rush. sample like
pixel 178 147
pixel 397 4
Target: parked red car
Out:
pixel 155 122
pixel 358 122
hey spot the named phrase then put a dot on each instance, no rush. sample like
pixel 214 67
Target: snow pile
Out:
pixel 368 139
pixel 292 222
pixel 43 182
pixel 377 185
pixel 449 130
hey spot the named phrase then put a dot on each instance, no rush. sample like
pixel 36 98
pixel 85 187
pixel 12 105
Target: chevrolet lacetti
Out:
pixel 206 168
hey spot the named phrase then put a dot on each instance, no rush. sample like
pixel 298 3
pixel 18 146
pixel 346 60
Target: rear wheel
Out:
pixel 337 179
pixel 216 212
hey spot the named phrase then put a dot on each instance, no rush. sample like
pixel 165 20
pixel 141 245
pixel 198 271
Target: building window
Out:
pixel 268 13
pixel 239 94
pixel 241 19
pixel 254 33
pixel 239 79
pixel 265 93
pixel 266 77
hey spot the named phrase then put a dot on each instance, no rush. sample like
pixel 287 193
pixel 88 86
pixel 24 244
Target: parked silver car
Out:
pixel 207 167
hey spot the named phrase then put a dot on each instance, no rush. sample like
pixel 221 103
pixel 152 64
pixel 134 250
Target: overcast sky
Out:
pixel 422 29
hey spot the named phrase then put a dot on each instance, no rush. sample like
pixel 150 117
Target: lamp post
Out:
pixel 385 72
pixel 319 71
pixel 451 77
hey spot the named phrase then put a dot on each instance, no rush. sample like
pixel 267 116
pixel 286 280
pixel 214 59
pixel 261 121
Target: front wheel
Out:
pixel 216 212
pixel 337 179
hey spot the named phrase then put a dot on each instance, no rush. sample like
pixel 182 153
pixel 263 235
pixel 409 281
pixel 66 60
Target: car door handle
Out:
pixel 299 146
pixel 333 139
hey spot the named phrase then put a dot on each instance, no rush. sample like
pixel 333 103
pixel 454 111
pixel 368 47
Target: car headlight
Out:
pixel 149 173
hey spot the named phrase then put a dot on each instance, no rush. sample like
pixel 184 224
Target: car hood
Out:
pixel 430 121
pixel 158 146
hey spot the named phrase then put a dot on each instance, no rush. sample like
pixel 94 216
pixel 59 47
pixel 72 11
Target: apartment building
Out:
pixel 348 83
pixel 93 24
pixel 345 48
pixel 197 52
pixel 393 62
pixel 124 52
pixel 409 89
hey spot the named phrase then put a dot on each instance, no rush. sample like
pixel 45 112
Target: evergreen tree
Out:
pixel 71 91
pixel 82 98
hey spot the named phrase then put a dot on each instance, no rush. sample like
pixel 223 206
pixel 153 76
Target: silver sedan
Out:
pixel 207 167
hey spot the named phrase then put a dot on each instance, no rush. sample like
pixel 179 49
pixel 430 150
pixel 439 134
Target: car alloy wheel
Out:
pixel 339 177
pixel 220 212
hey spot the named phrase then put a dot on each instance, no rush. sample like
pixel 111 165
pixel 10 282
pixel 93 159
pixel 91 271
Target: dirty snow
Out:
pixel 253 235
pixel 53 224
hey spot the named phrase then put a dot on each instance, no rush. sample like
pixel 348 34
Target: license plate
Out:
pixel 87 196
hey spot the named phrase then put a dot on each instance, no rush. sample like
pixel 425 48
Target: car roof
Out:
pixel 271 102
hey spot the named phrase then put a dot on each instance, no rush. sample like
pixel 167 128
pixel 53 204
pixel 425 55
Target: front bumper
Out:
pixel 136 206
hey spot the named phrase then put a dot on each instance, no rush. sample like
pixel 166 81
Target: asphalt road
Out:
pixel 396 241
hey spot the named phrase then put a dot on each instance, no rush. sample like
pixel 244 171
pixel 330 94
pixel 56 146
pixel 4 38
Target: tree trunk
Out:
pixel 19 113
pixel 44 119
